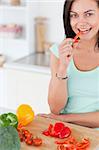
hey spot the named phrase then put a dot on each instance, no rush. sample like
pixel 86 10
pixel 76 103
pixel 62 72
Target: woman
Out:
pixel 74 87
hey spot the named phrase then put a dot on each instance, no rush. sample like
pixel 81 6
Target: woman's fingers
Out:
pixel 55 117
pixel 51 115
pixel 68 41
pixel 66 47
pixel 66 51
pixel 44 115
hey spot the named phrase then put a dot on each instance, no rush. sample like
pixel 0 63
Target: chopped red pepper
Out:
pixel 27 137
pixel 58 127
pixel 46 133
pixel 50 128
pixel 58 130
pixel 65 132
pixel 37 142
pixel 72 144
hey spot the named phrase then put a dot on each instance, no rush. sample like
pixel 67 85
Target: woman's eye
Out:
pixel 73 15
pixel 88 14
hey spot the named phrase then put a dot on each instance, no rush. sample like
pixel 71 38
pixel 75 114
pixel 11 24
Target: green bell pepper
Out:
pixel 8 119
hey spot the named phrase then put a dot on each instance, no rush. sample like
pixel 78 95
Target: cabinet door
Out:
pixel 1 88
pixel 27 87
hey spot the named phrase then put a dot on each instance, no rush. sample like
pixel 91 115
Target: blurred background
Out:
pixel 26 24
pixel 27 29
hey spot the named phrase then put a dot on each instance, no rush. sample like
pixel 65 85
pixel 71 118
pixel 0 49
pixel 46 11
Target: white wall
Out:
pixel 17 48
pixel 53 9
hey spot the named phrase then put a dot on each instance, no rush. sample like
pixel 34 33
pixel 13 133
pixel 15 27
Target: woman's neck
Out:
pixel 87 46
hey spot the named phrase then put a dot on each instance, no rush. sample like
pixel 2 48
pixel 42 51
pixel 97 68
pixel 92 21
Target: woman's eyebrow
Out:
pixel 72 12
pixel 90 10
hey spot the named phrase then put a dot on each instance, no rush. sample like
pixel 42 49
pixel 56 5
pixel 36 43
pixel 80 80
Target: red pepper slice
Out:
pixel 65 132
pixel 50 128
pixel 58 127
pixel 59 130
pixel 37 142
pixel 46 133
pixel 27 137
pixel 55 134
pixel 72 144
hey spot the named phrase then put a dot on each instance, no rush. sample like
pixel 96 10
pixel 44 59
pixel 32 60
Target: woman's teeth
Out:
pixel 85 31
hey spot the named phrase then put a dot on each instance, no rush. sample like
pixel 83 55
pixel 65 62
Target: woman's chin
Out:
pixel 87 37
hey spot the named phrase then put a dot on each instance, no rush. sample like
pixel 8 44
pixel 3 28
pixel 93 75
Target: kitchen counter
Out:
pixel 37 62
pixel 6 110
pixel 40 124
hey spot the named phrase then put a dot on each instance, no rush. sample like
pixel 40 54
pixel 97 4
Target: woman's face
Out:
pixel 84 17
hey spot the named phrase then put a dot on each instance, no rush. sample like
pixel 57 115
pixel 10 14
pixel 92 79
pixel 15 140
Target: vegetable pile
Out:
pixel 59 130
pixel 27 137
pixel 73 144
pixel 8 119
pixel 13 132
pixel 25 116
pixel 9 139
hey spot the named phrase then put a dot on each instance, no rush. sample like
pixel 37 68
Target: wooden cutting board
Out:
pixel 40 124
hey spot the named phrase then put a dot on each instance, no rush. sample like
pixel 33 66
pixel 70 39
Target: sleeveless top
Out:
pixel 83 88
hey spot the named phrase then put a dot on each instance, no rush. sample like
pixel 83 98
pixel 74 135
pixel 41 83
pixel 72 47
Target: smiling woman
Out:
pixel 86 15
pixel 74 85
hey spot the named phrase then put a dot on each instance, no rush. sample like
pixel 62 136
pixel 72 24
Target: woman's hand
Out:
pixel 83 119
pixel 65 52
pixel 55 117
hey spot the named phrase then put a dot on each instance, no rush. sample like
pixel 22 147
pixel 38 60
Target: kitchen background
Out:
pixel 27 29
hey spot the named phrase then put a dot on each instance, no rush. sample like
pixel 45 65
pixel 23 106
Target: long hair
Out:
pixel 66 20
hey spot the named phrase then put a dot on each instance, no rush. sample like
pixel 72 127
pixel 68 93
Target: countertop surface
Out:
pixel 40 124
pixel 38 62
pixel 38 59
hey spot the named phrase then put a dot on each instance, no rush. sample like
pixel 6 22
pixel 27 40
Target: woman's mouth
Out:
pixel 83 31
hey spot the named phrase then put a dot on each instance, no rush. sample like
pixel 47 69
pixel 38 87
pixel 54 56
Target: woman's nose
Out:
pixel 82 25
pixel 82 22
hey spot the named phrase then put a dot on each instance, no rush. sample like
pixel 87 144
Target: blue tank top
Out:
pixel 83 88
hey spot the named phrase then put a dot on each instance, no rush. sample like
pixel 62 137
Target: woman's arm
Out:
pixel 57 94
pixel 90 119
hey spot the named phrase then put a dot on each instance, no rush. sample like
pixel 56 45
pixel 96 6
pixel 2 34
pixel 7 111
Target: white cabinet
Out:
pixel 1 86
pixel 26 87
pixel 23 15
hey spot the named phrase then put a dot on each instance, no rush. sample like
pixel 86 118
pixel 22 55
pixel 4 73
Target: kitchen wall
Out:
pixel 23 15
pixel 53 9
